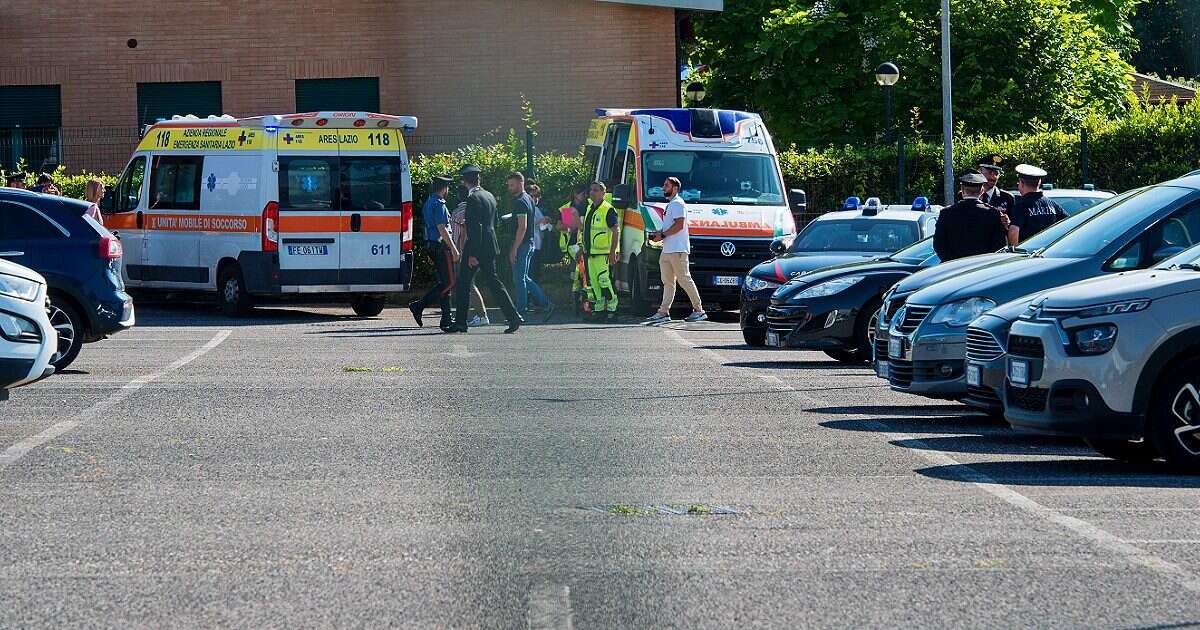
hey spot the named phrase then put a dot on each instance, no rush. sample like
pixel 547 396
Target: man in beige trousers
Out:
pixel 673 263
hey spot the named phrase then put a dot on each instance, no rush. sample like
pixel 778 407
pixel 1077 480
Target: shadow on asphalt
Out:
pixel 745 392
pixel 799 365
pixel 185 314
pixel 1097 472
pixel 1000 444
pixel 866 410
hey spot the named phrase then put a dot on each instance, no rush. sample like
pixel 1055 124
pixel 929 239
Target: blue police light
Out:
pixel 852 203
pixel 920 203
pixel 270 129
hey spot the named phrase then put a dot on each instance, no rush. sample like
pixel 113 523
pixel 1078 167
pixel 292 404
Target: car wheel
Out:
pixel 845 356
pixel 753 337
pixel 1173 425
pixel 865 328
pixel 231 292
pixel 368 305
pixel 67 321
pixel 1124 450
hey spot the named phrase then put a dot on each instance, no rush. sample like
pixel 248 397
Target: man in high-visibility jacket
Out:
pixel 601 236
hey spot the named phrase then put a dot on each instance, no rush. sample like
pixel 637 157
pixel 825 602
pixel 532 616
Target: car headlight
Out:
pixel 16 328
pixel 829 288
pixel 20 288
pixel 962 312
pixel 758 284
pixel 1095 339
pixel 1118 308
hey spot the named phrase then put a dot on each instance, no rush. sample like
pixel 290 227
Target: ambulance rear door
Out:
pixel 374 182
pixel 310 215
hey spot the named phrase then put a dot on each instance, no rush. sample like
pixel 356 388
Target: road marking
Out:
pixel 965 472
pixel 15 452
pixel 549 607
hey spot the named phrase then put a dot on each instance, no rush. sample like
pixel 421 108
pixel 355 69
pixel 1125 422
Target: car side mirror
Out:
pixel 1165 252
pixel 780 245
pixel 798 200
pixel 108 203
pixel 620 197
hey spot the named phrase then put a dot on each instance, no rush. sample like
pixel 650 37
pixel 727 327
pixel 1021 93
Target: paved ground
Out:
pixel 201 472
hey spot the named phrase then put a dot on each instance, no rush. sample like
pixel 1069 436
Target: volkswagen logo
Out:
pixel 728 249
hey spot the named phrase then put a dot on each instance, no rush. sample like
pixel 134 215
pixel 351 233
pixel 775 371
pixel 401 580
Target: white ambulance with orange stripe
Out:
pixel 732 184
pixel 310 207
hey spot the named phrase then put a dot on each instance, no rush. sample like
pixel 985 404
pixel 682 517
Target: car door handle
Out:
pixel 355 222
pixel 12 253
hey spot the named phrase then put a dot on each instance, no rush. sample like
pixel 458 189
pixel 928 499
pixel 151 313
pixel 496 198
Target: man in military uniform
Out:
pixel 1033 211
pixel 969 227
pixel 479 254
pixel 992 167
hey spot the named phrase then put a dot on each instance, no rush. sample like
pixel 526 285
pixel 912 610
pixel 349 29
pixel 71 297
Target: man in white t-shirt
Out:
pixel 673 263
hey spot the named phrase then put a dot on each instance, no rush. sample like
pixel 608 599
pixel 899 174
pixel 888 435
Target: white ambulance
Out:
pixel 311 207
pixel 732 183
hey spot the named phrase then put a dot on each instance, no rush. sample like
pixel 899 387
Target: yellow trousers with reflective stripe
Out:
pixel 600 287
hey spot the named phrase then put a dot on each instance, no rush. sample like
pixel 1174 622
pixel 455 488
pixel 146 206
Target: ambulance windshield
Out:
pixel 724 177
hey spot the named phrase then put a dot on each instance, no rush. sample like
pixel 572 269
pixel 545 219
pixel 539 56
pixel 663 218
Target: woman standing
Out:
pixel 93 193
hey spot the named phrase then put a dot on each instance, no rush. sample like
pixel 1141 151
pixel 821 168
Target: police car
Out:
pixel 312 205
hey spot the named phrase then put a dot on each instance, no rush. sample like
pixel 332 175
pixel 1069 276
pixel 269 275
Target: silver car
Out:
pixel 1115 360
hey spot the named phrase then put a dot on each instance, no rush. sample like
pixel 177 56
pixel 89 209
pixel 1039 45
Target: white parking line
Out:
pixel 549 607
pixel 15 452
pixel 964 472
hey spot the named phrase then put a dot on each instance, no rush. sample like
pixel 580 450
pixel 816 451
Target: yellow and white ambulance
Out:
pixel 313 206
pixel 732 184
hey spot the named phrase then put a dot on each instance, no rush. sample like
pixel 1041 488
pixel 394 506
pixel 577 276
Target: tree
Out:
pixel 1168 35
pixel 807 65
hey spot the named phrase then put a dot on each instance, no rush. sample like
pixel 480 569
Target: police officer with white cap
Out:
pixel 1033 212
pixel 970 226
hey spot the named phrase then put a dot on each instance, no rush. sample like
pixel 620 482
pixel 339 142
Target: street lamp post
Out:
pixel 886 75
pixel 947 108
pixel 695 93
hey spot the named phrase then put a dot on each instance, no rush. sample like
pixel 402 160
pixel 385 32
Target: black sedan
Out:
pixel 834 309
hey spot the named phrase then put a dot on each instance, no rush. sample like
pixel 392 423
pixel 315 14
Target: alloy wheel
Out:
pixel 1185 411
pixel 60 320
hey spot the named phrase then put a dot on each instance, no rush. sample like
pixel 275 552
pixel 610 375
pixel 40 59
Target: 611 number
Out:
pixel 381 250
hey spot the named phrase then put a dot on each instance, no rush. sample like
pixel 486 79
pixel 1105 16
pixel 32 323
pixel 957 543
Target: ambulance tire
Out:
pixel 231 292
pixel 368 305
pixel 638 301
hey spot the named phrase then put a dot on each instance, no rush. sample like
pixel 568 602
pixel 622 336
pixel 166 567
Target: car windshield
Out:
pixel 725 177
pixel 1072 205
pixel 916 253
pixel 1054 232
pixel 1189 259
pixel 1113 221
pixel 855 235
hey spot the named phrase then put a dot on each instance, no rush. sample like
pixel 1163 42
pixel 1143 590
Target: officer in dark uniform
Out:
pixel 1033 212
pixel 969 227
pixel 992 167
pixel 479 254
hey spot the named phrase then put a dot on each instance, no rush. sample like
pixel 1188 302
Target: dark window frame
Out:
pixel 161 161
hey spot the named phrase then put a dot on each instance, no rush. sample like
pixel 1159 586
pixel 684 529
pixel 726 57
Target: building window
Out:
pixel 29 126
pixel 161 101
pixel 340 95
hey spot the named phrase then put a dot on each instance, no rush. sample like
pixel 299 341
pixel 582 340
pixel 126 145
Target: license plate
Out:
pixel 974 375
pixel 881 369
pixel 896 347
pixel 773 339
pixel 1018 372
pixel 727 281
pixel 308 250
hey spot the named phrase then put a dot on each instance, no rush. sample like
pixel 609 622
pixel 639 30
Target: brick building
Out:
pixel 78 80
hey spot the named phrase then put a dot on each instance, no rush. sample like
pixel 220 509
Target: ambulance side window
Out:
pixel 630 168
pixel 308 183
pixel 175 182
pixel 129 191
pixel 591 156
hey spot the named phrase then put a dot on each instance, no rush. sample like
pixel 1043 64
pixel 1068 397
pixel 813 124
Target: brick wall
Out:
pixel 459 65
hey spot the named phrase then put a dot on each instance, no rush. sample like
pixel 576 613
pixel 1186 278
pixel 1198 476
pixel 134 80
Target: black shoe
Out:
pixel 446 326
pixel 514 325
pixel 416 311
pixel 457 329
pixel 549 313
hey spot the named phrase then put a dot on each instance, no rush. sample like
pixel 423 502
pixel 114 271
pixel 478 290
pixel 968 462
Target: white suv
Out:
pixel 27 340
pixel 1115 360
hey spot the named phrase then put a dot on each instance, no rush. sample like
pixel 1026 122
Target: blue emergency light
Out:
pixel 920 203
pixel 852 203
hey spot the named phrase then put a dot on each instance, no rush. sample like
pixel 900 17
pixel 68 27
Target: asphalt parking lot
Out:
pixel 307 469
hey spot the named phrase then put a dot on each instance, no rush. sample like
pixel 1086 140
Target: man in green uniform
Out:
pixel 601 238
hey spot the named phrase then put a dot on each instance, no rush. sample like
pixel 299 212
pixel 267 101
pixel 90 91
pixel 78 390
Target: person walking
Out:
pixel 970 226
pixel 459 220
pixel 439 243
pixel 479 256
pixel 1033 212
pixel 601 238
pixel 673 263
pixel 93 193
pixel 522 252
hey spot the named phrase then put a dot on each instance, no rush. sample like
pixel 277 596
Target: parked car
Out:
pixel 80 259
pixel 927 335
pixel 1072 200
pixel 870 232
pixel 894 298
pixel 27 341
pixel 1115 360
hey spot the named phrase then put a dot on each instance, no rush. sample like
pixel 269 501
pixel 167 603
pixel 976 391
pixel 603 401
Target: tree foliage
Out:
pixel 807 65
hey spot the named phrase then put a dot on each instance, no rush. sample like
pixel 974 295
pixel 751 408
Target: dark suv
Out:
pixel 80 259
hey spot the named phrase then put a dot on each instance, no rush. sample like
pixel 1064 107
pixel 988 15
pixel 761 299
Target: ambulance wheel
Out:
pixel 638 301
pixel 368 305
pixel 231 292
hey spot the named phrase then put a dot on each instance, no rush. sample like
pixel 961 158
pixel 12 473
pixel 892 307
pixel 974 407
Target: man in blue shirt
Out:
pixel 440 245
